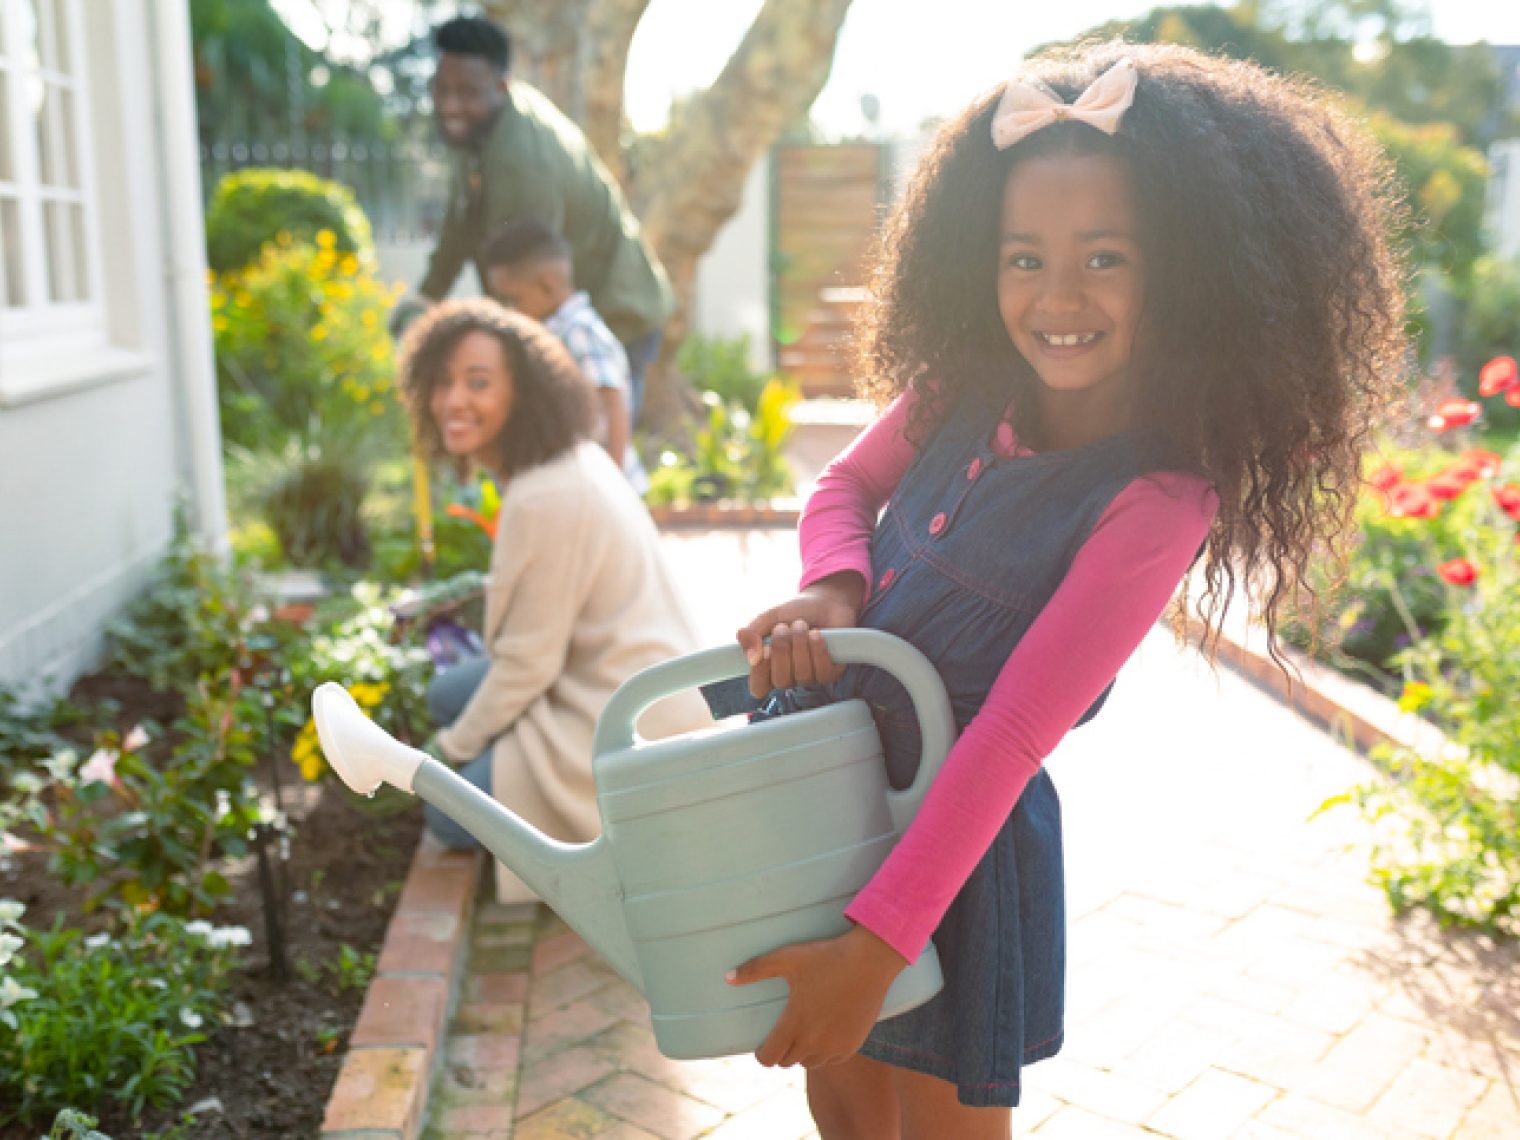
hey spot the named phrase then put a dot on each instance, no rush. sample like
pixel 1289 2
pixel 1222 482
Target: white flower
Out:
pixel 61 764
pixel 100 768
pixel 9 944
pixel 96 941
pixel 191 1019
pixel 12 991
pixel 135 739
pixel 158 983
pixel 10 844
pixel 225 936
pixel 11 911
pixel 223 803
pixel 200 928
pixel 27 783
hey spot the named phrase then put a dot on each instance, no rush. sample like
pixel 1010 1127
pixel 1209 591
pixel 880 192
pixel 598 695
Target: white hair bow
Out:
pixel 1029 105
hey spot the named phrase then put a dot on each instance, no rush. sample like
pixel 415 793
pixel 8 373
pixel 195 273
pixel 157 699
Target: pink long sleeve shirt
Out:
pixel 1144 542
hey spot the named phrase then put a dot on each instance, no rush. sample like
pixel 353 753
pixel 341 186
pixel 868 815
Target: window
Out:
pixel 50 281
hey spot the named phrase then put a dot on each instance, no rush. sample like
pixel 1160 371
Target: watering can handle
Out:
pixel 614 731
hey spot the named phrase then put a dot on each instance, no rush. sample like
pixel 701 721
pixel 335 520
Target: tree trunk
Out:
pixel 694 181
pixel 576 52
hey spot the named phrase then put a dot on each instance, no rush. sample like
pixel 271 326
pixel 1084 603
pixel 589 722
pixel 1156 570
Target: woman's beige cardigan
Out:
pixel 580 598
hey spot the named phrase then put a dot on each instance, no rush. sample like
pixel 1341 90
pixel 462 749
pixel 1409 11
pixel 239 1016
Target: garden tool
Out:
pixel 716 846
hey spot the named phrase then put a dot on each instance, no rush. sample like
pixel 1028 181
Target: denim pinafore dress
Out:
pixel 965 556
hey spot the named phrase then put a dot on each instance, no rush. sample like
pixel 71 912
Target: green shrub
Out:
pixel 739 453
pixel 302 351
pixel 721 365
pixel 1447 815
pixel 386 673
pixel 313 509
pixel 109 1018
pixel 252 207
pixel 194 622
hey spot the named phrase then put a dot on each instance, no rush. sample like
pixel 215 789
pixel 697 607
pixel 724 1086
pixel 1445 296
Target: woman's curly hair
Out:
pixel 1272 331
pixel 551 399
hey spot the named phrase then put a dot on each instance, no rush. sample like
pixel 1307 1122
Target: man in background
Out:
pixel 515 155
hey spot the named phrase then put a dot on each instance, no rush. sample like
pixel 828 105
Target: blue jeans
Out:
pixel 641 354
pixel 447 695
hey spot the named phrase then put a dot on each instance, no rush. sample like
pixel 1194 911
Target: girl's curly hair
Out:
pixel 551 400
pixel 1273 323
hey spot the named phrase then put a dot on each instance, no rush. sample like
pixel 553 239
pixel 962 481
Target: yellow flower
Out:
pixel 1416 695
pixel 326 239
pixel 349 265
pixel 369 693
pixel 307 752
pixel 369 319
pixel 319 333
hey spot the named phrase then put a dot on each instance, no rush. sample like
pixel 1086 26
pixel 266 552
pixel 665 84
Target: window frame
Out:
pixel 34 332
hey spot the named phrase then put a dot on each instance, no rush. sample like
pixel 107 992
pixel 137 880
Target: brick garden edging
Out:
pixel 381 1091
pixel 1354 713
pixel 727 512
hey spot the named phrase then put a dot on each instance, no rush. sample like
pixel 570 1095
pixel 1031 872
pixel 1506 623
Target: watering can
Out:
pixel 716 846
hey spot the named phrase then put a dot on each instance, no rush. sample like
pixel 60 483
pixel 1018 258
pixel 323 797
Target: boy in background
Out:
pixel 528 267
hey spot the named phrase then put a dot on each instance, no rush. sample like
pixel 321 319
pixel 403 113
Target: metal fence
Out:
pixel 402 186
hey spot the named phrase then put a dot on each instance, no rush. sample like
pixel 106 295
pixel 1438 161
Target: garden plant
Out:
pixel 1439 561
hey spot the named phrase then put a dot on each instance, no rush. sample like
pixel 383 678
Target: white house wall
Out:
pixel 733 278
pixel 91 468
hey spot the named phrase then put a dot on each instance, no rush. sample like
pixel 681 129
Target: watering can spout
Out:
pixel 578 880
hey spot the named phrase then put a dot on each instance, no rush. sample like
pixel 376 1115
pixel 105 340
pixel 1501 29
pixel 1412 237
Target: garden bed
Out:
pixel 269 1071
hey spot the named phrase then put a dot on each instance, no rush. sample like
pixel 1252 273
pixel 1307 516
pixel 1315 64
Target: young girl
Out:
pixel 579 597
pixel 1135 309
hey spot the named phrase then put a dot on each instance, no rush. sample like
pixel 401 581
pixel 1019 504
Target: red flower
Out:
pixel 460 511
pixel 1385 478
pixel 1449 484
pixel 1498 375
pixel 1508 498
pixel 1454 414
pixel 1412 501
pixel 1459 572
pixel 1483 463
pixel 1512 397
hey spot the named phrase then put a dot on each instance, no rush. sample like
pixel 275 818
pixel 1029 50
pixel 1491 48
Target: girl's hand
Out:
pixel 796 654
pixel 837 987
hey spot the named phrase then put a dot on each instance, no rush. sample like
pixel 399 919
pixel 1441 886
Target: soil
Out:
pixel 268 1074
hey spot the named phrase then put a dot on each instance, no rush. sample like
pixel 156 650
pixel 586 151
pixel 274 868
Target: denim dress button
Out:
pixel 937 523
pixel 887 578
pixel 975 469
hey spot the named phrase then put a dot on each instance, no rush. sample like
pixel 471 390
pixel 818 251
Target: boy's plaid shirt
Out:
pixel 590 342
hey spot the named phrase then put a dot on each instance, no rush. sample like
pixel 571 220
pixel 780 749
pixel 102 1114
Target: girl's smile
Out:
pixel 1071 286
pixel 473 399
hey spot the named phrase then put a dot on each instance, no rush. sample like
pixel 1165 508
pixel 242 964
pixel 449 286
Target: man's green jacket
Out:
pixel 537 163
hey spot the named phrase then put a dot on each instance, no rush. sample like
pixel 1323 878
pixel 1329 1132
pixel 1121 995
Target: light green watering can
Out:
pixel 716 846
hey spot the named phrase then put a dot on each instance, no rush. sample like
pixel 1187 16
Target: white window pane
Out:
pixel 61 261
pixel 44 107
pixel 60 164
pixel 28 48
pixel 7 164
pixel 55 38
pixel 81 265
pixel 12 287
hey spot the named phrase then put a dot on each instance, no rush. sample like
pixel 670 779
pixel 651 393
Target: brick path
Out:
pixel 1231 974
